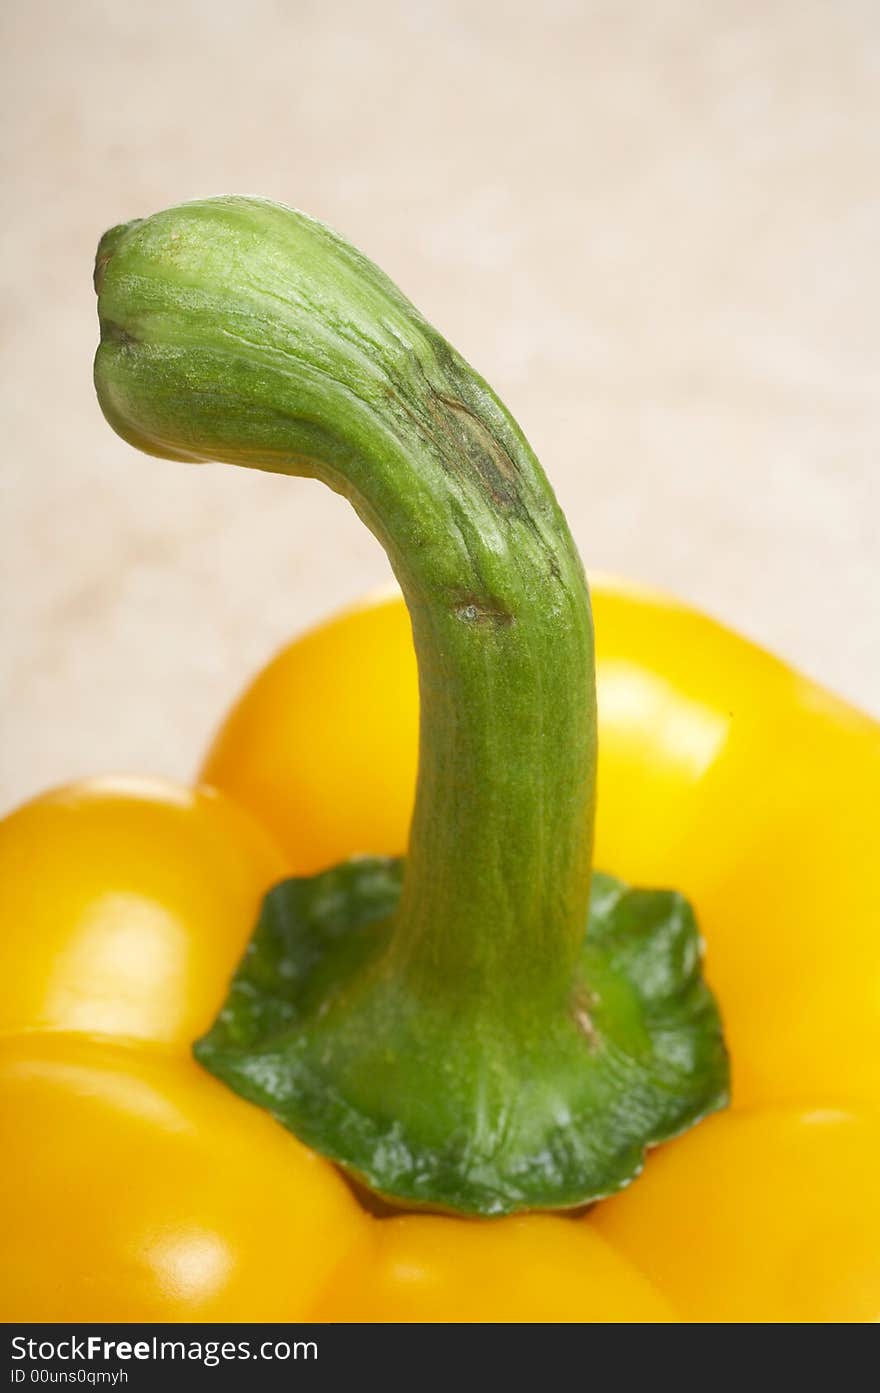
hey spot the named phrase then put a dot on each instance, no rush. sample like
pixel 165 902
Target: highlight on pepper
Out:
pixel 453 934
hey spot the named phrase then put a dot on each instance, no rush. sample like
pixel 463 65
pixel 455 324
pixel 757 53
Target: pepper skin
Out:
pixel 128 903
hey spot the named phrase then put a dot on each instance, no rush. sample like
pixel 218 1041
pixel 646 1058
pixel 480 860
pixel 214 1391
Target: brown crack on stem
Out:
pixel 474 443
pixel 471 609
pixel 116 333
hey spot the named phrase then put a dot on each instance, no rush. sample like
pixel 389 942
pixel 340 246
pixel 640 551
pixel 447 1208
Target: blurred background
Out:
pixel 652 224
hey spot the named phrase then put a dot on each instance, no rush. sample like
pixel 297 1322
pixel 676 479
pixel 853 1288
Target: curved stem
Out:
pixel 454 1041
pixel 236 330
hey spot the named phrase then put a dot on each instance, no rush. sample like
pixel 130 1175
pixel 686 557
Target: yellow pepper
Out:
pixel 730 775
pixel 140 1187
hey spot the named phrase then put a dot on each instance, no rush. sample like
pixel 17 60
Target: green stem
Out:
pixel 453 1041
pixel 324 373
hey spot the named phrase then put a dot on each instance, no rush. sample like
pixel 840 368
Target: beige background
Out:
pixel 653 225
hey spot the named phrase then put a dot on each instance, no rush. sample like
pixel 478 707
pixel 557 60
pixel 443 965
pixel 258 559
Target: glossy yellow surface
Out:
pixel 323 747
pixel 125 904
pixel 771 1215
pixel 144 1189
pixel 426 1268
pixel 137 1187
pixel 729 776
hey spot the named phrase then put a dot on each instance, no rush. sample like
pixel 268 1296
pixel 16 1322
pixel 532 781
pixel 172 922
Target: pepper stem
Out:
pixel 440 1038
pixel 496 884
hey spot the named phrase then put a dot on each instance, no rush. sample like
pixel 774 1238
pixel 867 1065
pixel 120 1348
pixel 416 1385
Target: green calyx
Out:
pixel 436 1111
pixel 468 1029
